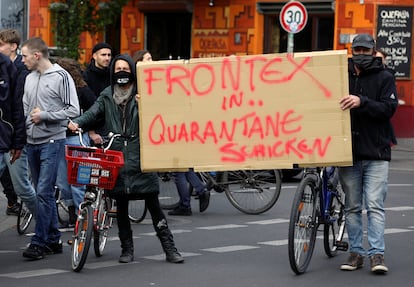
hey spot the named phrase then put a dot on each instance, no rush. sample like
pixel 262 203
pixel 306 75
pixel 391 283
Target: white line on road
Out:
pixel 225 226
pixel 269 221
pixel 33 273
pixel 230 248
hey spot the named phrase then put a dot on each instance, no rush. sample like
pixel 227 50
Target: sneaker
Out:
pixel 377 264
pixel 180 211
pixel 34 252
pixel 13 209
pixel 53 248
pixel 204 200
pixel 354 262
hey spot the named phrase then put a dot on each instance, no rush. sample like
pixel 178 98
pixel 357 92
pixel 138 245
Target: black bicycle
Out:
pixel 319 200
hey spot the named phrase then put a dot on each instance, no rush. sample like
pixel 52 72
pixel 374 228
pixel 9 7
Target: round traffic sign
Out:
pixel 293 17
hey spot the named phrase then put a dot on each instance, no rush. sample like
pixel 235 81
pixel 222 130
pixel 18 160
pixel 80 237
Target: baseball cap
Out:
pixel 101 45
pixel 363 40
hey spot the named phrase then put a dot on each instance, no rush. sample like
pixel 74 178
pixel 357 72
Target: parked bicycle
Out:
pixel 250 191
pixel 97 168
pixel 319 200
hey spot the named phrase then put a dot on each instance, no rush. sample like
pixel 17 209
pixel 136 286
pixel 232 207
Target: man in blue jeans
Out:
pixel 49 99
pixel 372 101
pixel 181 180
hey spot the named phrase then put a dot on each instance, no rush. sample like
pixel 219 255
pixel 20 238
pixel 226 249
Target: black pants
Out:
pixel 8 189
pixel 124 225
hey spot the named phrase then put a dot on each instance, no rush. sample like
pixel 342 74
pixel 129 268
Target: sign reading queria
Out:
pixel 250 112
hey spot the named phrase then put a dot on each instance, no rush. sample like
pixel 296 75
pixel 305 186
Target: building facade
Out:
pixel 182 29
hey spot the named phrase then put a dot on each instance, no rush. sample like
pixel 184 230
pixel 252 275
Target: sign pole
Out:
pixel 293 18
pixel 290 43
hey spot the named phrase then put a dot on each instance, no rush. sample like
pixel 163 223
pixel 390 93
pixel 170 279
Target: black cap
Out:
pixel 363 40
pixel 101 45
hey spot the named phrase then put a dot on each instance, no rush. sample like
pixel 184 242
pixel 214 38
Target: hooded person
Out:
pixel 118 107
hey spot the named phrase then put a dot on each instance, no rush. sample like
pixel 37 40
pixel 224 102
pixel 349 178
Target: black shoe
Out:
pixel 53 248
pixel 180 211
pixel 34 252
pixel 204 200
pixel 13 209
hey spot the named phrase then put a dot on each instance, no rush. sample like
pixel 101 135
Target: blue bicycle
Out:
pixel 319 200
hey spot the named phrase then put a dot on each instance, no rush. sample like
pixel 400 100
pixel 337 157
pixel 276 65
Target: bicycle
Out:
pixel 319 200
pixel 97 168
pixel 250 191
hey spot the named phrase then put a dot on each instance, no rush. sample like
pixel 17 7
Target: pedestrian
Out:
pixel 19 171
pixel 49 100
pixel 120 111
pixel 372 102
pixel 97 77
pixel 73 194
pixel 12 138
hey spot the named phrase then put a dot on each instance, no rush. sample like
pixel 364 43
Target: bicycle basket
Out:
pixel 92 166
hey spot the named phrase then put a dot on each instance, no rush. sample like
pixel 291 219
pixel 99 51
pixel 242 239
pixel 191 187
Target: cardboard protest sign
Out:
pixel 250 112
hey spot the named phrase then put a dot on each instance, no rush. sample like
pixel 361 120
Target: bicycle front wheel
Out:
pixel 334 231
pixel 303 224
pixel 23 219
pixel 137 210
pixel 82 236
pixel 252 191
pixel 103 224
pixel 168 197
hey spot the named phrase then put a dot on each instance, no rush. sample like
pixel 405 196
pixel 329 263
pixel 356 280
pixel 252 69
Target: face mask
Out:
pixel 362 61
pixel 122 78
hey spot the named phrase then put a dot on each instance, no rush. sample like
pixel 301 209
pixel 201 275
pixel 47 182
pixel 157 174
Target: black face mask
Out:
pixel 363 61
pixel 122 78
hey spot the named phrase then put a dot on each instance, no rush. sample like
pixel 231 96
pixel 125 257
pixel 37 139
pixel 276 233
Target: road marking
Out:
pixel 396 230
pixel 225 226
pixel 400 208
pixel 7 251
pixel 274 242
pixel 33 273
pixel 400 184
pixel 161 257
pixel 269 221
pixel 104 264
pixel 230 248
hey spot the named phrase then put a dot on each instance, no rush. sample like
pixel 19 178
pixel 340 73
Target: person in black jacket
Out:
pixel 372 103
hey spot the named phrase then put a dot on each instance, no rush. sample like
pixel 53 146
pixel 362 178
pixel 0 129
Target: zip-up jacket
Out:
pixel 372 132
pixel 12 131
pixel 54 93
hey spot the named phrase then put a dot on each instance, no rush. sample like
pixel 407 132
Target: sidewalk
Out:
pixel 402 159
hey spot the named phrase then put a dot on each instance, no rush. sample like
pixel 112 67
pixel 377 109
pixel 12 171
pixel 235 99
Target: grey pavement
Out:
pixel 402 160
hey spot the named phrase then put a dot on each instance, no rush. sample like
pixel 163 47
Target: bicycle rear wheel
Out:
pixel 252 191
pixel 303 224
pixel 82 236
pixel 137 210
pixel 23 219
pixel 168 197
pixel 103 224
pixel 333 232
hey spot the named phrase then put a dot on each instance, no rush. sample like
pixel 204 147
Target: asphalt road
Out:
pixel 223 247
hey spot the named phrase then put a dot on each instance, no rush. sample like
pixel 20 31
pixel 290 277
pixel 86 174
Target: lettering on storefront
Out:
pixel 262 111
pixel 394 36
pixel 209 43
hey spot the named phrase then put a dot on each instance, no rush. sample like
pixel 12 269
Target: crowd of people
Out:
pixel 39 94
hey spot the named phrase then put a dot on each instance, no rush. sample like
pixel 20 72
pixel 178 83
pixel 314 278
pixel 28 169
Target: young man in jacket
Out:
pixel 118 107
pixel 49 100
pixel 372 101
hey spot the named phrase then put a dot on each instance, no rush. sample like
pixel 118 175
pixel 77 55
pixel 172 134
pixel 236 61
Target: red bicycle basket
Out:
pixel 93 166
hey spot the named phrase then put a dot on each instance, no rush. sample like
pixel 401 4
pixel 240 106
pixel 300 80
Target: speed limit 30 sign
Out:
pixel 293 17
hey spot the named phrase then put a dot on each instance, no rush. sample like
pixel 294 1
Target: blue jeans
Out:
pixel 19 173
pixel 365 182
pixel 43 162
pixel 72 194
pixel 181 180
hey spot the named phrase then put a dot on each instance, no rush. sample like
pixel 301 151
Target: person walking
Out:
pixel 118 107
pixel 19 171
pixel 49 100
pixel 372 102
pixel 12 138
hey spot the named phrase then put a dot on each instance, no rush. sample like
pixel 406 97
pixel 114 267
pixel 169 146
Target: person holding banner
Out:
pixel 372 102
pixel 120 111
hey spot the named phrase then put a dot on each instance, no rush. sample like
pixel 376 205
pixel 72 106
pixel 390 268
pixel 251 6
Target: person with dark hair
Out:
pixel 15 179
pixel 49 100
pixel 120 111
pixel 142 56
pixel 372 102
pixel 73 194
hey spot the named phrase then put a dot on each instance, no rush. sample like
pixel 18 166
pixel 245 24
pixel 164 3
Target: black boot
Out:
pixel 127 245
pixel 167 242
